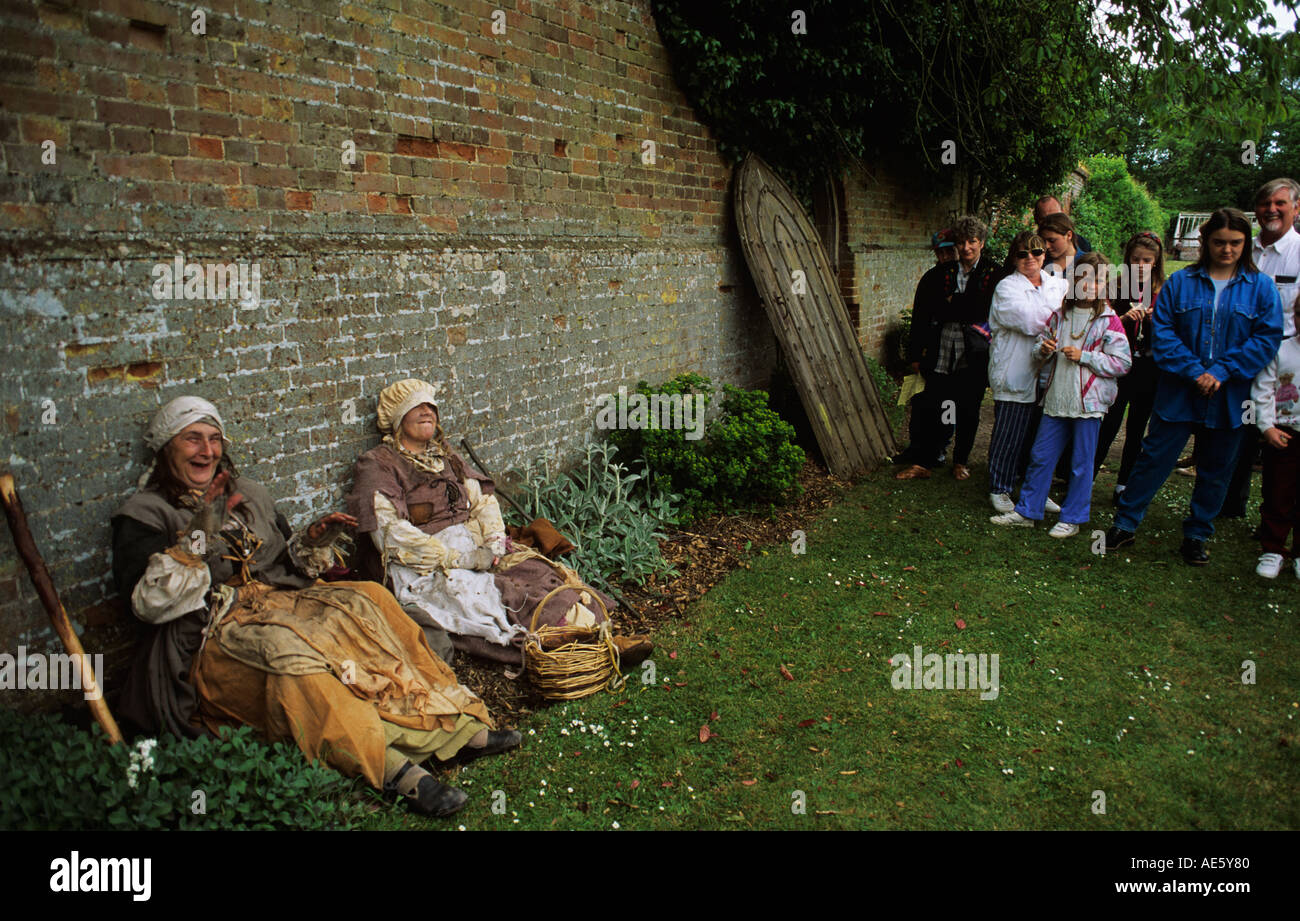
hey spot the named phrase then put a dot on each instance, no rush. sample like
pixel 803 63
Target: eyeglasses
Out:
pixel 1026 253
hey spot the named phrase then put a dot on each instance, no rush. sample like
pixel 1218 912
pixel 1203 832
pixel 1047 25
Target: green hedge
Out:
pixel 1114 206
pixel 55 776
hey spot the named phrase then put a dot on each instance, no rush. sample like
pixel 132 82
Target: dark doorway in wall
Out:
pixel 784 399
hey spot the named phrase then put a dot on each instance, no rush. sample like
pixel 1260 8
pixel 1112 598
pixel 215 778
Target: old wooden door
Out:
pixel 803 301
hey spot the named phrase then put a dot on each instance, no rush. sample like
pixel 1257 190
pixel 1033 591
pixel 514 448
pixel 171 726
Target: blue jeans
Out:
pixel 1216 453
pixel 1054 433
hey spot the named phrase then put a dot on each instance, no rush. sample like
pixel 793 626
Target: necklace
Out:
pixel 1080 334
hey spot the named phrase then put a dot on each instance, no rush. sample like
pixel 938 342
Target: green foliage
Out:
pixel 1114 206
pixel 1022 88
pixel 888 388
pixel 56 776
pixel 747 456
pixel 611 513
pixel 1192 175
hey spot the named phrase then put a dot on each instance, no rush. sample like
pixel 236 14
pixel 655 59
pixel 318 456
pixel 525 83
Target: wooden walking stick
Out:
pixel 54 607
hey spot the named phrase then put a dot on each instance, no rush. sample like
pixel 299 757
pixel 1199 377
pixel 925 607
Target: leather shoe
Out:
pixel 436 799
pixel 1118 537
pixel 498 741
pixel 1194 552
pixel 632 650
pixel 431 798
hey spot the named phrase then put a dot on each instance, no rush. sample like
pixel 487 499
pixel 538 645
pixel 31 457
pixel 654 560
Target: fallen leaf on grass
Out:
pixel 804 724
pixel 847 773
pixel 713 717
pixel 959 764
pixel 705 733
pixel 909 569
pixel 881 614
pixel 785 673
pixel 672 655
pixel 634 785
pixel 750 783
pixel 961 624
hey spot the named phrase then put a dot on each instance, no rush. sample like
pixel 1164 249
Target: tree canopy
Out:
pixel 1017 90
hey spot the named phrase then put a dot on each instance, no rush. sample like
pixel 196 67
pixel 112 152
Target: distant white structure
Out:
pixel 1185 239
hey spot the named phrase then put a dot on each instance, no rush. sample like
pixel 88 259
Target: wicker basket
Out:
pixel 566 663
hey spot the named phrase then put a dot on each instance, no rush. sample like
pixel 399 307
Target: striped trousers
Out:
pixel 1014 425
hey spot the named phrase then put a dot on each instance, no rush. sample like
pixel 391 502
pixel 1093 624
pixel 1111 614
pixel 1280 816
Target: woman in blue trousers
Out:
pixel 1216 325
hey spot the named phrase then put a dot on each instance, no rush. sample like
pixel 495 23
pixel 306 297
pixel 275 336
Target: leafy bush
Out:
pixel 747 456
pixel 56 776
pixel 888 389
pixel 1114 206
pixel 611 514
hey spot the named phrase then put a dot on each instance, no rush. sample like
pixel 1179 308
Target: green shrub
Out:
pixel 56 776
pixel 1114 206
pixel 888 389
pixel 746 458
pixel 612 515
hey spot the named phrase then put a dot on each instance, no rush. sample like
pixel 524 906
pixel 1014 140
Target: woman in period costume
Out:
pixel 242 632
pixel 432 530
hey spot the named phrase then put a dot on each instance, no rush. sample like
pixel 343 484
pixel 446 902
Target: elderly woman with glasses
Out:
pixel 241 632
pixel 1023 304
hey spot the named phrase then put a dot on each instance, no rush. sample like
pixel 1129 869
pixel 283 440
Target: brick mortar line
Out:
pixel 289 243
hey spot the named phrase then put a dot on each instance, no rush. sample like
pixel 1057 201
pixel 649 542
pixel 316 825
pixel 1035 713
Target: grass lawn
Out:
pixel 1121 674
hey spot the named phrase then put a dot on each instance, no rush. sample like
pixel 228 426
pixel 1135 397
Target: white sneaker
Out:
pixel 1053 508
pixel 1002 502
pixel 1063 529
pixel 1013 519
pixel 1270 564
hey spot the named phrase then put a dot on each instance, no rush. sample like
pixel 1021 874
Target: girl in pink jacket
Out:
pixel 1082 354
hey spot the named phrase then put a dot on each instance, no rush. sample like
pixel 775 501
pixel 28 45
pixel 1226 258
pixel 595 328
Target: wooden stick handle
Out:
pixel 464 443
pixel 53 606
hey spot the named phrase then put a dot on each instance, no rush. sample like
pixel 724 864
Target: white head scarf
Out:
pixel 173 418
pixel 396 400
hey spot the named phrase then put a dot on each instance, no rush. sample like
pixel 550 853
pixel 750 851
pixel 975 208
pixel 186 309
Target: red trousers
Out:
pixel 1281 509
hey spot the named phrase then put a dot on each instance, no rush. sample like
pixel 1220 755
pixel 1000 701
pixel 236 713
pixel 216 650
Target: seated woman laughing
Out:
pixel 241 632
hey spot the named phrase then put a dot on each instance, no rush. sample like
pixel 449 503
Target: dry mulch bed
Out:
pixel 702 556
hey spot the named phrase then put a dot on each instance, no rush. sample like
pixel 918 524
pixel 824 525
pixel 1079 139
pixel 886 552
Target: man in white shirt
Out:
pixel 1277 253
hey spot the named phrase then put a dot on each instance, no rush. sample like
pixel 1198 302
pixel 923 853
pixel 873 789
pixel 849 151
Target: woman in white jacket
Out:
pixel 1083 352
pixel 1023 303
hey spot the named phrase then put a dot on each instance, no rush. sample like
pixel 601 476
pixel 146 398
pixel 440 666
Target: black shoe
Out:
pixel 436 799
pixel 1118 537
pixel 498 741
pixel 1193 552
pixel 429 797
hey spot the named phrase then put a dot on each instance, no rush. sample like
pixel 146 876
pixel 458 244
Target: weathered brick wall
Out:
pixel 499 232
pixel 887 236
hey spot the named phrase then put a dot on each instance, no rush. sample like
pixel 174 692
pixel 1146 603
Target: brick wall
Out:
pixel 422 194
pixel 887 243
